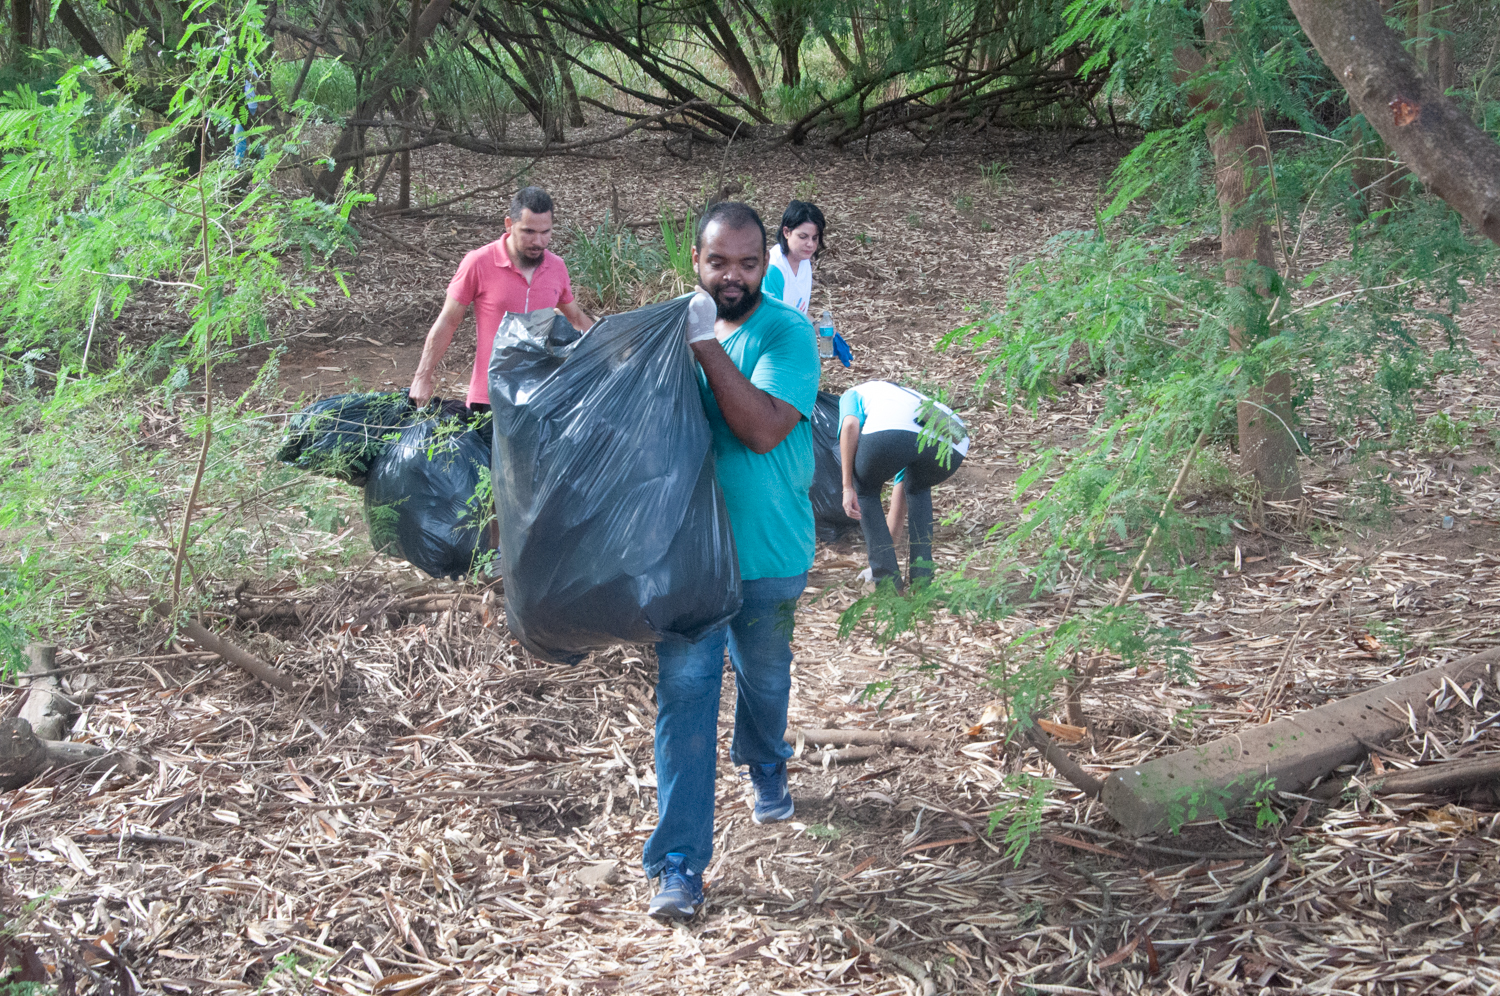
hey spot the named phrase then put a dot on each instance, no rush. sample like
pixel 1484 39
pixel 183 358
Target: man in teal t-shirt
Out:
pixel 758 376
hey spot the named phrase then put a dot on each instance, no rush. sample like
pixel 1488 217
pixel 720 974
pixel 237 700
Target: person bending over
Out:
pixel 881 437
pixel 798 243
pixel 758 378
pixel 513 273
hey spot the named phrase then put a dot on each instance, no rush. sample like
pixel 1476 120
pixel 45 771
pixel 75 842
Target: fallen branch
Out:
pixel 237 656
pixel 862 738
pixel 907 965
pixel 1064 763
pixel 25 756
pixel 846 756
pixel 1444 776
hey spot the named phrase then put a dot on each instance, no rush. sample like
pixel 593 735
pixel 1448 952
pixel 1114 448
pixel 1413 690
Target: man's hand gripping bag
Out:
pixel 612 525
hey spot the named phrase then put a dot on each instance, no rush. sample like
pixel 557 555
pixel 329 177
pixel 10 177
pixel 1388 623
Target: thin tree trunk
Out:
pixel 1422 32
pixel 1447 70
pixel 721 38
pixel 1241 150
pixel 565 76
pixel 325 183
pixel 837 50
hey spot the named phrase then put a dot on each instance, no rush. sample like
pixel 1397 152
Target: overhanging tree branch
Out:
pixel 1451 155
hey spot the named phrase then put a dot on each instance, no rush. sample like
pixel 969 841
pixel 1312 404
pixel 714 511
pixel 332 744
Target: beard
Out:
pixel 737 308
pixel 531 256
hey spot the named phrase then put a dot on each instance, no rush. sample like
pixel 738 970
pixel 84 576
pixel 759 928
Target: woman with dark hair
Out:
pixel 798 242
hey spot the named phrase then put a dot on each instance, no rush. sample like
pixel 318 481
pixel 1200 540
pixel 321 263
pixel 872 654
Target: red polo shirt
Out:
pixel 490 282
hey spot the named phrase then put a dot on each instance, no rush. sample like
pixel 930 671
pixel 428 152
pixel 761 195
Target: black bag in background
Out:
pixel 423 501
pixel 343 435
pixel 612 525
pixel 827 491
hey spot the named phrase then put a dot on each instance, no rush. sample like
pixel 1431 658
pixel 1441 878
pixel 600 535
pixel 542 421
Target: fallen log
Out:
pixel 24 755
pixel 1445 776
pixel 846 756
pixel 862 738
pixel 238 656
pixel 50 712
pixel 1285 756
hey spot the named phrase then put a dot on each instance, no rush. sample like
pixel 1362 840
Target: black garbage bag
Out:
pixel 424 499
pixel 612 525
pixel 342 436
pixel 827 491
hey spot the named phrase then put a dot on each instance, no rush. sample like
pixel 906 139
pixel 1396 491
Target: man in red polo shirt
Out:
pixel 515 273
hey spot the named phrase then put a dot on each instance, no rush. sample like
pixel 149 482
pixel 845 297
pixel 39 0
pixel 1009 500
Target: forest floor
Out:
pixel 443 814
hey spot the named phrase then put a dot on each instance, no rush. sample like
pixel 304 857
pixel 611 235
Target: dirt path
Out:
pixel 442 814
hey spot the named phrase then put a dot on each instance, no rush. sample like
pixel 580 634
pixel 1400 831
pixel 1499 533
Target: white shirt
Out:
pixel 787 287
pixel 880 405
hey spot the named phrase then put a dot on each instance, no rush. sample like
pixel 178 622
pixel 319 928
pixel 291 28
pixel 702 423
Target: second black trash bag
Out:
pixel 423 501
pixel 827 491
pixel 612 525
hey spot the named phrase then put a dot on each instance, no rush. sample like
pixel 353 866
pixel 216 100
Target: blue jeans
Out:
pixel 688 680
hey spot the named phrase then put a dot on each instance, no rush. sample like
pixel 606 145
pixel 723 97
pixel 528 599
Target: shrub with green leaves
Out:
pixel 613 265
pixel 106 208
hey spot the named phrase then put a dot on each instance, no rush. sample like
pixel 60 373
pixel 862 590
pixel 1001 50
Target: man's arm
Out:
pixel 438 338
pixel 576 315
pixel 848 447
pixel 759 420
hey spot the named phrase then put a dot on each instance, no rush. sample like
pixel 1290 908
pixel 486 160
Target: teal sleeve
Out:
pixel 774 283
pixel 788 367
pixel 850 403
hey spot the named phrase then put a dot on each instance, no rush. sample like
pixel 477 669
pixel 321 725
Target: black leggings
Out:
pixel 880 457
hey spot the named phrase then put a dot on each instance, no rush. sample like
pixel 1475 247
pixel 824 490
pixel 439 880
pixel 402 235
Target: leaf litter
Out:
pixel 441 814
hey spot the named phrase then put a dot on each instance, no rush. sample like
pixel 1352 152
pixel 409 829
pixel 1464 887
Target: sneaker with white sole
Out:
pixel 773 800
pixel 681 891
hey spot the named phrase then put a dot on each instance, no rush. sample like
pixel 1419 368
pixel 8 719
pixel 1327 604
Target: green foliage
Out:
pixel 461 90
pixel 1176 346
pixel 613 265
pixel 1022 816
pixel 17 589
pixel 995 177
pixel 329 88
pixel 677 243
pixel 106 208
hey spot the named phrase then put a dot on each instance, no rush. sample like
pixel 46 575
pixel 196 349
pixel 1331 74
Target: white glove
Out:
pixel 702 313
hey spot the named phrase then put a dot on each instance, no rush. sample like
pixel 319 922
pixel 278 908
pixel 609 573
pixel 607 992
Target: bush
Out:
pixel 613 265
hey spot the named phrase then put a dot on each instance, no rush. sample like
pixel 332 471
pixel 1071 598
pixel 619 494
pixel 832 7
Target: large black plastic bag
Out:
pixel 422 499
pixel 827 491
pixel 343 435
pixel 612 526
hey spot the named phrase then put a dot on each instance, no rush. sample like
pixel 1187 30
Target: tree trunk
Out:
pixel 789 20
pixel 1450 155
pixel 22 29
pixel 1447 70
pixel 325 183
pixel 24 755
pixel 719 34
pixel 1242 158
pixel 560 66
